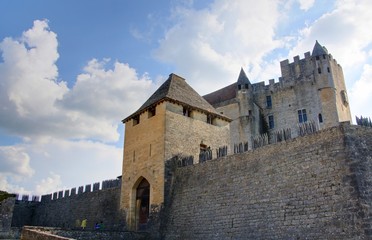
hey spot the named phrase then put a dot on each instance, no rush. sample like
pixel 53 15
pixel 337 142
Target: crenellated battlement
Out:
pixel 95 187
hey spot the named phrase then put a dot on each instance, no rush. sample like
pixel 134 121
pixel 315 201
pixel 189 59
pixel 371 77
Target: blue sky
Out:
pixel 70 71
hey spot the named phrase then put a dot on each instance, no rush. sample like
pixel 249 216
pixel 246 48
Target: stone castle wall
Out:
pixel 313 187
pixel 68 211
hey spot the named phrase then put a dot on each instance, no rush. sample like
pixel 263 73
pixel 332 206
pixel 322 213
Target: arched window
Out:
pixel 320 117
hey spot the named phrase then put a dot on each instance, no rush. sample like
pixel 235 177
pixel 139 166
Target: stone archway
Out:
pixel 142 209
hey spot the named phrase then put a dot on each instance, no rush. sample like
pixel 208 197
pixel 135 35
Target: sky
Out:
pixel 70 71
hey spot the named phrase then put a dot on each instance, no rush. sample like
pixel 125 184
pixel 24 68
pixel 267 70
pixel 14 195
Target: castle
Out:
pixel 176 120
pixel 286 164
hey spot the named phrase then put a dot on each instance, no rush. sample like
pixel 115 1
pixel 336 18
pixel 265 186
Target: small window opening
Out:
pixel 239 87
pixel 246 86
pixel 271 122
pixel 150 151
pixel 317 57
pixel 186 112
pixel 151 112
pixel 328 70
pixel 136 120
pixel 302 116
pixel 134 156
pixel 324 56
pixel 209 119
pixel 319 70
pixel 320 117
pixel 268 102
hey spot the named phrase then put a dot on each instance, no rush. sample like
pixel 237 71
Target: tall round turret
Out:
pixel 330 81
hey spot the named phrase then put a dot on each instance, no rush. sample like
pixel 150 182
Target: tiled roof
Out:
pixel 177 90
pixel 222 94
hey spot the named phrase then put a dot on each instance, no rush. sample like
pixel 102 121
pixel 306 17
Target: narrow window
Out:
pixel 328 70
pixel 150 151
pixel 209 119
pixel 271 122
pixel 268 102
pixel 246 86
pixel 317 57
pixel 136 120
pixel 302 117
pixel 324 56
pixel 186 112
pixel 319 70
pixel 151 112
pixel 134 156
pixel 320 117
pixel 239 87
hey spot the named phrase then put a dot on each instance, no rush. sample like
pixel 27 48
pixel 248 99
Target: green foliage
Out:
pixel 5 195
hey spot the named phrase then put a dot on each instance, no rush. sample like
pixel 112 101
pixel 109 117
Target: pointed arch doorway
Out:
pixel 142 211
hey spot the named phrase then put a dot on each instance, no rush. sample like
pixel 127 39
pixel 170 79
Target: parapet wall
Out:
pixel 112 183
pixel 313 187
pixel 68 210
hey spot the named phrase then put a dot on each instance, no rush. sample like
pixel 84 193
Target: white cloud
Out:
pixel 345 31
pixel 14 169
pixel 101 92
pixel 306 4
pixel 34 105
pixel 11 188
pixel 49 185
pixel 76 162
pixel 58 125
pixel 208 47
pixel 361 93
pixel 14 161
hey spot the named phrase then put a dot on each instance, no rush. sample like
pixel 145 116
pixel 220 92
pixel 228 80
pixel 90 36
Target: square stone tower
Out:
pixel 174 121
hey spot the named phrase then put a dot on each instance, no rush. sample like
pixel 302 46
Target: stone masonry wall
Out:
pixel 6 214
pixel 68 212
pixel 313 187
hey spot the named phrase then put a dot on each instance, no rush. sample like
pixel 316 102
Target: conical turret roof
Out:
pixel 175 89
pixel 319 50
pixel 243 79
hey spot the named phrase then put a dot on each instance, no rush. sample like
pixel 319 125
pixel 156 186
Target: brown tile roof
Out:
pixel 221 95
pixel 175 89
